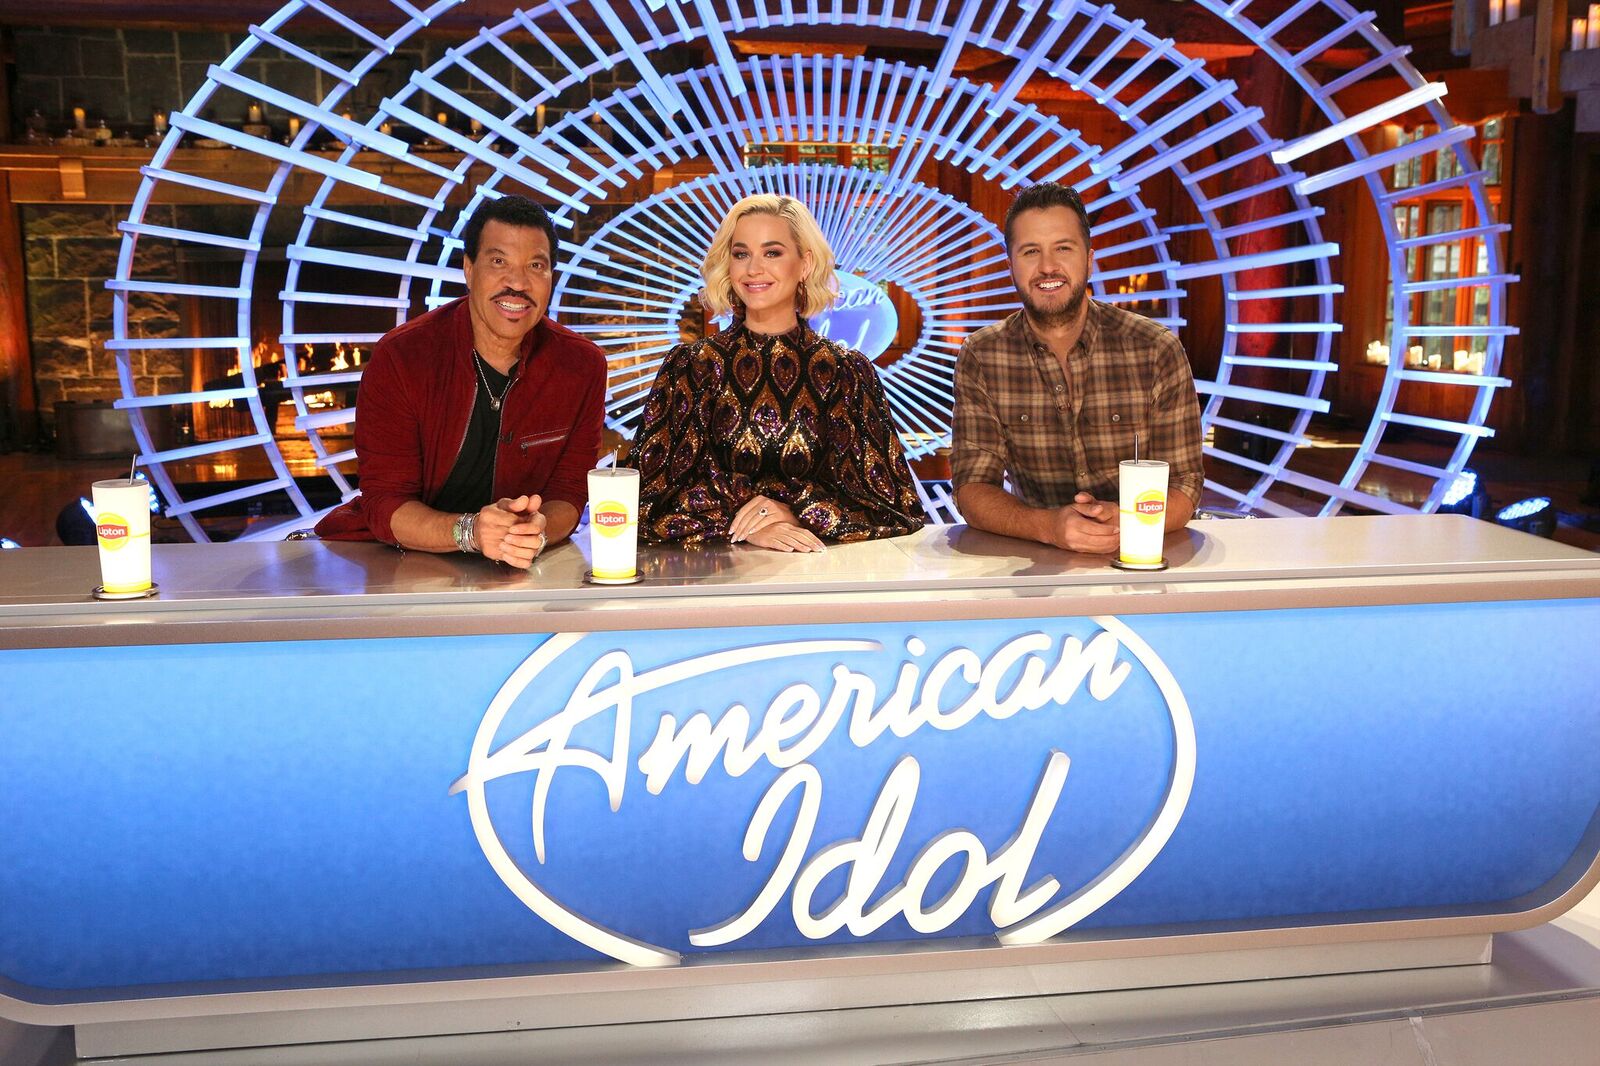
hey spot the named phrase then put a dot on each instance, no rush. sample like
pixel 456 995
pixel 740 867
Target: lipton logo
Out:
pixel 802 714
pixel 112 530
pixel 1150 505
pixel 610 518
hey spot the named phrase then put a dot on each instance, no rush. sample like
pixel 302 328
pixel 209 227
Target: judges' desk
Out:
pixel 355 790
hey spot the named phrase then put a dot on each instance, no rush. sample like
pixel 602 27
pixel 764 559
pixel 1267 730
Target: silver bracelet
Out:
pixel 464 532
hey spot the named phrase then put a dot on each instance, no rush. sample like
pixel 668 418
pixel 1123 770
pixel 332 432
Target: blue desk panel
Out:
pixel 267 815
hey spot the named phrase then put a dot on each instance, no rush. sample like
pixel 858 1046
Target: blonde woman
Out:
pixel 767 433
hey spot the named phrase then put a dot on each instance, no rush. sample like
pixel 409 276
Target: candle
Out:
pixel 1513 9
pixel 1476 363
pixel 1414 355
pixel 538 119
pixel 477 127
pixel 1580 31
pixel 253 114
pixel 442 118
pixel 1594 27
pixel 385 127
pixel 1435 361
pixel 294 126
pixel 1461 360
pixel 161 121
pixel 78 118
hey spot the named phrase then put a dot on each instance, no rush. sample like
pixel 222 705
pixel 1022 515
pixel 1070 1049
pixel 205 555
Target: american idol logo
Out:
pixel 861 317
pixel 945 779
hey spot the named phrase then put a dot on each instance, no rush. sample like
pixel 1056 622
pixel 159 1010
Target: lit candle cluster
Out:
pixel 1461 361
pixel 1504 11
pixel 1585 31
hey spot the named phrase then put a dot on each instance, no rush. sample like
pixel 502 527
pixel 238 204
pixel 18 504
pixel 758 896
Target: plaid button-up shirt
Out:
pixel 1057 434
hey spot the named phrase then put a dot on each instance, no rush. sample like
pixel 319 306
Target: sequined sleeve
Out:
pixel 864 488
pixel 684 492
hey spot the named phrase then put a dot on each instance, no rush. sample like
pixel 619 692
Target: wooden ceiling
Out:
pixel 1186 22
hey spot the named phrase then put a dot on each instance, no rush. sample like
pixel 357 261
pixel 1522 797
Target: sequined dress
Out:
pixel 793 417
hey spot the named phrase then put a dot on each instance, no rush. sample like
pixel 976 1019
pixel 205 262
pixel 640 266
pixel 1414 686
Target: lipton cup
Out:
pixel 614 523
pixel 1142 488
pixel 122 531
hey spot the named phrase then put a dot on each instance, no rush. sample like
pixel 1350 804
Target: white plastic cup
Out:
pixel 122 530
pixel 1142 488
pixel 614 524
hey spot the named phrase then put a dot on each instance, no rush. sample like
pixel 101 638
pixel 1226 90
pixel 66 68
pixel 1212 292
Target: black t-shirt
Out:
pixel 470 486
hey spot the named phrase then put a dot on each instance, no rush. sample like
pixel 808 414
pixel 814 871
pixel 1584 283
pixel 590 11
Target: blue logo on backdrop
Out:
pixel 862 317
pixel 820 722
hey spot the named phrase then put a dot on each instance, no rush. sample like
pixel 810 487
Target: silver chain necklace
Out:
pixel 494 401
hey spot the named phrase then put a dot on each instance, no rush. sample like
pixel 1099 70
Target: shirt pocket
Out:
pixel 540 440
pixel 1114 430
pixel 1035 444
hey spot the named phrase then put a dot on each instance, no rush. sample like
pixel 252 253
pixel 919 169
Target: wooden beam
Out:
pixel 1546 92
pixel 1466 16
pixel 19 405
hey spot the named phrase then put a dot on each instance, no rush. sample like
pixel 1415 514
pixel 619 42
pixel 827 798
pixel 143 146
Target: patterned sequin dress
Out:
pixel 793 417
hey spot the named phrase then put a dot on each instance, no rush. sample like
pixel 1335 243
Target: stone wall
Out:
pixel 70 251
pixel 123 76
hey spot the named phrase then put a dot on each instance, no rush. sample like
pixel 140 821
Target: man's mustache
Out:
pixel 512 292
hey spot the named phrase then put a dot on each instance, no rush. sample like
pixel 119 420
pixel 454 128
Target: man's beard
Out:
pixel 1068 313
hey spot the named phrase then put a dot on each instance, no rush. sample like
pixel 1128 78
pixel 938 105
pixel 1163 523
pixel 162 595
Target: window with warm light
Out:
pixel 867 156
pixel 1444 204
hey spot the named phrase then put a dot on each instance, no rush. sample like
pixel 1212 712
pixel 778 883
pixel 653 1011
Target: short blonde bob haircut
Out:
pixel 818 288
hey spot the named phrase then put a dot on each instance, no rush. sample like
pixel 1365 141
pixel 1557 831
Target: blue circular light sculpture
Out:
pixel 629 281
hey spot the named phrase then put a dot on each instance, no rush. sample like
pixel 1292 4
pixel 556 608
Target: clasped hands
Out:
pixel 769 523
pixel 1087 525
pixel 512 531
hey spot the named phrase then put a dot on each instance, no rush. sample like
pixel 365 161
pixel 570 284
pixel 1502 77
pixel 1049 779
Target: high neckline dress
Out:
pixel 791 416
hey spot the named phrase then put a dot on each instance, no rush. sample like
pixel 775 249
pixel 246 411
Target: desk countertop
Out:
pixel 312 589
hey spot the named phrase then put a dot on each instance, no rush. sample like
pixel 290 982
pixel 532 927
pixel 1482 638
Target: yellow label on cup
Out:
pixel 609 519
pixel 1150 507
pixel 111 530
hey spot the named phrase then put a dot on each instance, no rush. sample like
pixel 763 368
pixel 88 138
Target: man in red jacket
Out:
pixel 477 423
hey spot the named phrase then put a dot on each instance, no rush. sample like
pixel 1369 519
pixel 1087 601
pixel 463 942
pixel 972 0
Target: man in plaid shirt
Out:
pixel 1056 395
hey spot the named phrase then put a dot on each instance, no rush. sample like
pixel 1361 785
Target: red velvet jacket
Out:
pixel 415 402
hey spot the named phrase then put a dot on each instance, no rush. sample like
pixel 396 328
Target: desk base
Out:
pixel 783 988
